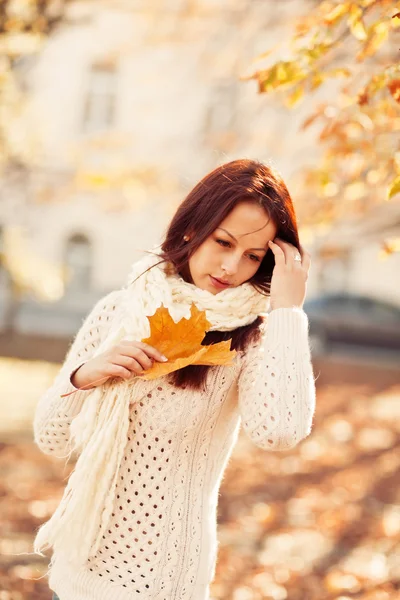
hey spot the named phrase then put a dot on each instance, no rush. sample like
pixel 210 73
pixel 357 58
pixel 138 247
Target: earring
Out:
pixel 186 238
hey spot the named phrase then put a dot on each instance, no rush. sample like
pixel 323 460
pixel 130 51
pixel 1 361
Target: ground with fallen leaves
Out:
pixel 319 522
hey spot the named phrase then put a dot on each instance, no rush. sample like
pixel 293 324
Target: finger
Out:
pixel 150 350
pixel 137 358
pixel 287 250
pixel 279 254
pixel 133 365
pixel 291 252
pixel 114 370
pixel 284 243
pixel 295 257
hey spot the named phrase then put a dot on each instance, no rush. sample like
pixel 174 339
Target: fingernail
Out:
pixel 164 358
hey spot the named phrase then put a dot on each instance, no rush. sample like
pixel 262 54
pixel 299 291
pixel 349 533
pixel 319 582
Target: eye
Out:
pixel 254 257
pixel 223 243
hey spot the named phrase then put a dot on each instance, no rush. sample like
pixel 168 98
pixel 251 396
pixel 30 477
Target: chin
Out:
pixel 205 285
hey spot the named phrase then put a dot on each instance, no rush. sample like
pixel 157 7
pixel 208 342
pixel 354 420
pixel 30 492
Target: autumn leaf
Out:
pixel 377 34
pixel 390 246
pixel 394 89
pixel 316 51
pixel 295 97
pixel 394 188
pixel 356 23
pixel 181 343
pixel 312 118
pixel 363 97
pixel 336 13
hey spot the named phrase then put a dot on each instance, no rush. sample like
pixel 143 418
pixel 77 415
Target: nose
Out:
pixel 230 264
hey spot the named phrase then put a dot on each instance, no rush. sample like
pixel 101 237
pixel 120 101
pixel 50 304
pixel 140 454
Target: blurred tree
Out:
pixel 30 16
pixel 24 25
pixel 359 125
pixel 103 165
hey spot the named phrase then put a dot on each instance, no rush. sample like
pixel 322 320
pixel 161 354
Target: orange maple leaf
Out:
pixel 181 343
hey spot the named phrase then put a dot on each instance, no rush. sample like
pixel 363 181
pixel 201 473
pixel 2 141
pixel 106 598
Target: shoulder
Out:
pixel 111 300
pixel 108 305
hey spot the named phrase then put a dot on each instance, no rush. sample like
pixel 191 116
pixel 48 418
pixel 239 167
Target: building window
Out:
pixel 78 260
pixel 99 108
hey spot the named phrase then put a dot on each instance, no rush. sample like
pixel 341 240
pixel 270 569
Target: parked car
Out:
pixel 352 319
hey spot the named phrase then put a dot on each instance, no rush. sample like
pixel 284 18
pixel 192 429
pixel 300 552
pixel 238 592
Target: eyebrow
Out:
pixel 233 237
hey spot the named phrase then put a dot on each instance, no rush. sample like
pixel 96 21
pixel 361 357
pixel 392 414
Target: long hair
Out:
pixel 201 212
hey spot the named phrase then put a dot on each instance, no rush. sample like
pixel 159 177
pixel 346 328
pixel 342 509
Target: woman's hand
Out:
pixel 289 277
pixel 122 360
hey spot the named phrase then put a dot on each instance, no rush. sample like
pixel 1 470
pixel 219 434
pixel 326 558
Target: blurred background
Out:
pixel 110 112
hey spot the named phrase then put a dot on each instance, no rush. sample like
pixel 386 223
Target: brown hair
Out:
pixel 203 209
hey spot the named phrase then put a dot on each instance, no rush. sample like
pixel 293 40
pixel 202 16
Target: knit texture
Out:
pixel 161 542
pixel 100 430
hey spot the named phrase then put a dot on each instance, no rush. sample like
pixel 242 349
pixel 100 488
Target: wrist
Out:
pixel 286 305
pixel 77 378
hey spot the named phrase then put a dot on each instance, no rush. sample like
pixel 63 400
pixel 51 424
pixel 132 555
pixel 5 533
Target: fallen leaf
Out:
pixel 363 98
pixel 394 88
pixel 181 343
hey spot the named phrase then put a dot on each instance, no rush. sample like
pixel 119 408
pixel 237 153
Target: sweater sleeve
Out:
pixel 276 386
pixel 53 414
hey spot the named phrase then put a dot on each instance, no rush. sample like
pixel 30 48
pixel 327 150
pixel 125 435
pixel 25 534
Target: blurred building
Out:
pixel 361 256
pixel 130 104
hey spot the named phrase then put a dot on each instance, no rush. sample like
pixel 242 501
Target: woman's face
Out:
pixel 234 251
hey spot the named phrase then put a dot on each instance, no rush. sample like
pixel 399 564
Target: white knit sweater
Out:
pixel 161 543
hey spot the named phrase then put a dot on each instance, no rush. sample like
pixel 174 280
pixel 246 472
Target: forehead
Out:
pixel 249 221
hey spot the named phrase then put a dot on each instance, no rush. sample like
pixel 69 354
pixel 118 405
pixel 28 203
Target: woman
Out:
pixel 138 516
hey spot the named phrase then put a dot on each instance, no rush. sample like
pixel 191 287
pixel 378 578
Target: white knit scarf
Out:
pixel 100 430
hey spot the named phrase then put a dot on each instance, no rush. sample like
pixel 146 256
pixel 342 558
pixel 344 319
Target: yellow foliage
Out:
pixel 339 72
pixel 356 24
pixel 389 246
pixel 377 34
pixel 295 97
pixel 336 13
pixel 282 73
pixel 317 79
pixel 317 51
pixel 395 22
pixel 362 125
pixel 394 187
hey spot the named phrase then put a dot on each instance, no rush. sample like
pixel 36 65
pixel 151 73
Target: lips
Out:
pixel 219 283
